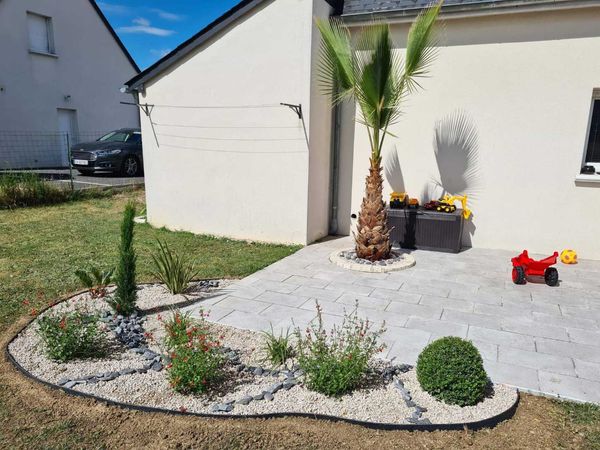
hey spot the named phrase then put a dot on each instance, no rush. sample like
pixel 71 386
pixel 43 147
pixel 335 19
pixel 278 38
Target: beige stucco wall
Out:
pixel 521 85
pixel 89 66
pixel 242 172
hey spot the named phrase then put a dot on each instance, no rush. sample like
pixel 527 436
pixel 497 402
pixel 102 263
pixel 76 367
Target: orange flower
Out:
pixel 34 312
pixel 63 323
pixel 26 302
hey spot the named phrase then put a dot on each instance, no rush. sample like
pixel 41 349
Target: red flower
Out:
pixel 182 409
pixel 34 312
pixel 26 302
pixel 63 323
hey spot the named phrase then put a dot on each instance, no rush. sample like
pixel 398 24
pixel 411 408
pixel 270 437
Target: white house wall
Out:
pixel 239 172
pixel 89 68
pixel 521 84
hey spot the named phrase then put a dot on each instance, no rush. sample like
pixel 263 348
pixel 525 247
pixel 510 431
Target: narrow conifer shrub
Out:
pixel 125 296
pixel 451 369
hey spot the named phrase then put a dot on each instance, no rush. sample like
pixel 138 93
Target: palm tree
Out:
pixel 371 73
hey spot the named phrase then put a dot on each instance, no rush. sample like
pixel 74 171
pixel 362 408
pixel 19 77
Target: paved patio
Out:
pixel 537 338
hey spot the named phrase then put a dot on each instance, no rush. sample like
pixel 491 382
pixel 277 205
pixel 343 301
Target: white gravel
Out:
pixel 379 403
pixel 503 397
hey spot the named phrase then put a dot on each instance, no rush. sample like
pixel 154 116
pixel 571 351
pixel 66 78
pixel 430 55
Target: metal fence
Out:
pixel 27 150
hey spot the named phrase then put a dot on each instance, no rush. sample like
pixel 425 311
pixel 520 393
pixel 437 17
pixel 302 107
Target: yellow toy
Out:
pixel 568 256
pixel 398 200
pixel 446 204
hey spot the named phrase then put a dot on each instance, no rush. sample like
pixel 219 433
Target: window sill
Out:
pixel 36 52
pixel 587 179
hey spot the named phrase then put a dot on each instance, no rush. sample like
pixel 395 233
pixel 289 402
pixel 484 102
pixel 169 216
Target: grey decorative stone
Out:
pixel 222 407
pixel 244 400
pixel 298 373
pixel 149 355
pixel 274 388
pixel 259 396
pixel 258 371
pixel 410 403
pixel 424 422
pixel 70 384
pixel 269 397
pixel 289 383
pixel 127 371
pixel 63 381
pixel 156 366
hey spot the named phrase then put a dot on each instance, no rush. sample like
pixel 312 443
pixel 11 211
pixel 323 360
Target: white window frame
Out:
pixel 49 35
pixel 595 178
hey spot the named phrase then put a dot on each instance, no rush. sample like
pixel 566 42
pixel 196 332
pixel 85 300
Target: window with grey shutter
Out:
pixel 40 33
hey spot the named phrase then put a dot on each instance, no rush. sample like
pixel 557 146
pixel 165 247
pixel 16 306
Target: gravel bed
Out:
pixel 502 398
pixel 156 295
pixel 381 401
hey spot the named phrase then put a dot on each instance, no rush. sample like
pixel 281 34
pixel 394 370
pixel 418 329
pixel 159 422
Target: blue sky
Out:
pixel 151 28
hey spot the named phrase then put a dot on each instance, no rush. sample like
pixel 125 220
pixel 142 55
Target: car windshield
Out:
pixel 115 136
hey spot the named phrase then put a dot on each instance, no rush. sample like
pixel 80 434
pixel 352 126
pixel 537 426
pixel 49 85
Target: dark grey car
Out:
pixel 119 151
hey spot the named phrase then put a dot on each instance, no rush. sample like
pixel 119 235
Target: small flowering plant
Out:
pixel 336 362
pixel 195 353
pixel 71 335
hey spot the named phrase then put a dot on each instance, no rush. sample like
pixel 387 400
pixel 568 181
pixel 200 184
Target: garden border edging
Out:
pixel 485 423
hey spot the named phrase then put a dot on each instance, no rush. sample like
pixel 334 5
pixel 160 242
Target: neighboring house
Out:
pixel 62 68
pixel 509 114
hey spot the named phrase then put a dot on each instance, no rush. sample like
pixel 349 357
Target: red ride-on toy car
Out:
pixel 524 267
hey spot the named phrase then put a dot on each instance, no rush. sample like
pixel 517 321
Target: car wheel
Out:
pixel 131 167
pixel 85 172
pixel 551 276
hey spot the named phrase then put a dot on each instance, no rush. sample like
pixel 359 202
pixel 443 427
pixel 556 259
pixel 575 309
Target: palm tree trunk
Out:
pixel 373 236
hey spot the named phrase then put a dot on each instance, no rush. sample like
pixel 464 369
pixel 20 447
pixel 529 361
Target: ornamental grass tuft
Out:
pixel 175 271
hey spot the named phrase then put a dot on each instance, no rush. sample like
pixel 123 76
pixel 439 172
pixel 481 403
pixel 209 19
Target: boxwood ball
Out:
pixel 451 370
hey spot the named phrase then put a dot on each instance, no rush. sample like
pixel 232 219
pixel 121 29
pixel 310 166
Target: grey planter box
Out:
pixel 426 230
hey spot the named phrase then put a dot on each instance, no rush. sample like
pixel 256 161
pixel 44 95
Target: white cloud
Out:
pixel 143 26
pixel 113 8
pixel 160 52
pixel 141 21
pixel 167 15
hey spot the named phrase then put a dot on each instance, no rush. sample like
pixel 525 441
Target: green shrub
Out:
pixel 196 356
pixel 173 270
pixel 278 349
pixel 125 296
pixel 181 327
pixel 336 362
pixel 95 280
pixel 18 189
pixel 451 370
pixel 71 335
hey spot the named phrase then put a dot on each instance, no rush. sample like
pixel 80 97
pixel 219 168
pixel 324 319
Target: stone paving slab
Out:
pixel 540 339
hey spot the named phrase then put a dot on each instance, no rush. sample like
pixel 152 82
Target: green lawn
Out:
pixel 40 248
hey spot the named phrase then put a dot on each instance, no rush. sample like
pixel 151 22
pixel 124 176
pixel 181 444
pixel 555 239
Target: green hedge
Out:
pixel 451 369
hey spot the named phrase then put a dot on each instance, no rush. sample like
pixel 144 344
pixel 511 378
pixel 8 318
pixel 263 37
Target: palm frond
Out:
pixel 421 47
pixel 336 74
